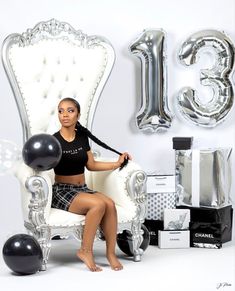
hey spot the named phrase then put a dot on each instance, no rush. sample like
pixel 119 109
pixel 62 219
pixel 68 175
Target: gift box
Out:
pixel 222 216
pixel 160 195
pixel 157 202
pixel 153 227
pixel 176 219
pixel 206 235
pixel 182 143
pixel 173 239
pixel 203 177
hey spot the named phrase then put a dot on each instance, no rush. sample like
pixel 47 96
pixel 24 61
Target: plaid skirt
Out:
pixel 63 194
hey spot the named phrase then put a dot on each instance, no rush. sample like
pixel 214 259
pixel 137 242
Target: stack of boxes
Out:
pixel 191 208
pixel 161 195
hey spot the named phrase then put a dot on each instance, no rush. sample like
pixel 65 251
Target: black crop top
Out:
pixel 74 155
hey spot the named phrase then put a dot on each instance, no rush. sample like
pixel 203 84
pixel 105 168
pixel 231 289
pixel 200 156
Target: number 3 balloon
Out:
pixel 213 112
pixel 154 114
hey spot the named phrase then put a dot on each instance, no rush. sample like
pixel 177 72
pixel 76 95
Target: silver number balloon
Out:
pixel 154 114
pixel 213 112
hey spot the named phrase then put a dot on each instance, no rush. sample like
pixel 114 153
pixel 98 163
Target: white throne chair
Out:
pixel 43 65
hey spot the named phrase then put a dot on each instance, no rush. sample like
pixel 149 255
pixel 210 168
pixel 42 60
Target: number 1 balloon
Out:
pixel 154 114
pixel 213 112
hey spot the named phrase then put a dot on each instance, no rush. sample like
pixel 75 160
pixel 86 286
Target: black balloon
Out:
pixel 124 241
pixel 22 254
pixel 42 152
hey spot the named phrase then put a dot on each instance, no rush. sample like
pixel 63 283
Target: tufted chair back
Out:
pixel 53 61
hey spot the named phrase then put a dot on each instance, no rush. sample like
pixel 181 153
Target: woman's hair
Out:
pixel 84 130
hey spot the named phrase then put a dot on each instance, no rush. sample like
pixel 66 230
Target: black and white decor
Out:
pixel 199 212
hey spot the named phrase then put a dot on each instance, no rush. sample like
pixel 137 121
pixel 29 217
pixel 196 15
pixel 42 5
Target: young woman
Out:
pixel 70 191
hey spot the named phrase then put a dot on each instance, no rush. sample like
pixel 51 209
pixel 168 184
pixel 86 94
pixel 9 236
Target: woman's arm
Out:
pixel 93 165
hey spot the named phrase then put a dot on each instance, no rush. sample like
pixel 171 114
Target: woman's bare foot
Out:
pixel 87 257
pixel 114 262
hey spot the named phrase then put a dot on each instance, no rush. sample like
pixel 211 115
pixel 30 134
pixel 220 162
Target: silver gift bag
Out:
pixel 203 177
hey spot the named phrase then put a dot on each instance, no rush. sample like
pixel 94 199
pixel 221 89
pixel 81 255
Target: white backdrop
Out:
pixel 121 22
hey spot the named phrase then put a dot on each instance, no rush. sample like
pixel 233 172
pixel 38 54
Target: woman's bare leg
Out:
pixel 109 227
pixel 94 209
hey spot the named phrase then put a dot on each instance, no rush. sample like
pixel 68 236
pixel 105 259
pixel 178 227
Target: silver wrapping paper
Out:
pixel 213 175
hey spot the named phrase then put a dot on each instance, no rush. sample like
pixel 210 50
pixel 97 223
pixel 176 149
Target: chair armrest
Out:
pixel 136 186
pixel 39 189
pixel 127 187
pixel 36 193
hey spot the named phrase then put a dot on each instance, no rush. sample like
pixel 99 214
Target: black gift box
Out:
pixel 205 235
pixel 153 227
pixel 182 143
pixel 223 216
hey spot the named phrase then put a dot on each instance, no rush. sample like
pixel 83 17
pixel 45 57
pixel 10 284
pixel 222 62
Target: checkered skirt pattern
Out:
pixel 63 194
pixel 157 202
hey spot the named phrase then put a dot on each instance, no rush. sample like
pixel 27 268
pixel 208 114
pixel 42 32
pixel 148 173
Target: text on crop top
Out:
pixel 74 155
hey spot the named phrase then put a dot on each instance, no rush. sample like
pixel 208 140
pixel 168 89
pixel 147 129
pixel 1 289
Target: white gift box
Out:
pixel 170 239
pixel 160 195
pixel 161 183
pixel 176 219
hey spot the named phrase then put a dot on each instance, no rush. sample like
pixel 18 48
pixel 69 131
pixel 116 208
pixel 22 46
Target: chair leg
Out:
pixel 137 238
pixel 45 251
pixel 44 237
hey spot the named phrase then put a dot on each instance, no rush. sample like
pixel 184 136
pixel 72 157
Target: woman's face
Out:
pixel 68 113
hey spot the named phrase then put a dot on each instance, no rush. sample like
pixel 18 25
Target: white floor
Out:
pixel 160 269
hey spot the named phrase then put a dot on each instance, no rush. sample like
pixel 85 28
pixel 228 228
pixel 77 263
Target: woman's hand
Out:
pixel 123 157
pixel 123 160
